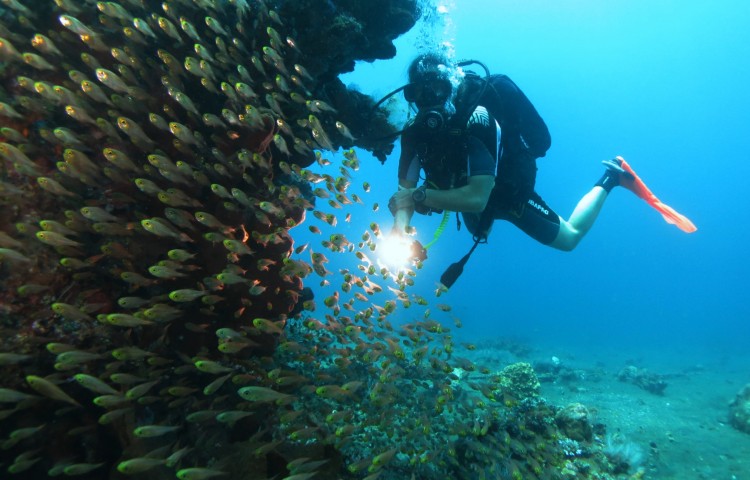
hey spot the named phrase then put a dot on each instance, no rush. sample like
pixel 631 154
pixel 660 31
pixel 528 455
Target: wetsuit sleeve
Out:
pixel 480 159
pixel 483 134
pixel 408 163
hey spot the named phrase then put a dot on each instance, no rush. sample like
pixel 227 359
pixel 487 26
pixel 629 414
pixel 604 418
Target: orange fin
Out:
pixel 670 214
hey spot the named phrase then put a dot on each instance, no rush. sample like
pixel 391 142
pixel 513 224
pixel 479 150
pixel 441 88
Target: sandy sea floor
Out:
pixel 683 433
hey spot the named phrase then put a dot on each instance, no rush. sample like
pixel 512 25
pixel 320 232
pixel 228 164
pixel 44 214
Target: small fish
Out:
pixel 232 416
pixel 162 228
pixel 81 468
pixel 112 80
pixel 139 465
pixel 268 326
pixel 79 114
pixel 45 45
pixel 158 121
pixel 244 90
pixel 56 240
pixel 13 256
pixel 11 396
pixel 13 135
pixel 49 389
pixel 8 51
pixel 262 394
pixel 94 384
pixel 211 221
pixel 74 25
pixel 125 320
pixel 76 357
pixel 180 255
pixel 303 71
pixel 149 431
pixel 13 358
pixel 110 401
pixel 169 28
pixel 216 26
pixel 258 64
pixel 132 302
pixel 344 130
pixel 147 186
pixel 114 10
pixel 15 155
pixel 281 83
pixel 193 66
pixel 230 278
pixel 143 27
pixel 236 246
pixel 197 473
pixel 21 464
pixel 182 132
pixel 140 390
pixel 112 415
pixel 136 279
pixel 186 103
pixel 161 271
pixel 211 120
pixel 134 131
pixel 8 111
pixel 130 353
pixel 97 214
pixel 189 29
pixel 203 52
pixel 186 295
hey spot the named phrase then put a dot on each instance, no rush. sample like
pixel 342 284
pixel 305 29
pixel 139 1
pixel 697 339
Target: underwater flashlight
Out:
pixel 396 251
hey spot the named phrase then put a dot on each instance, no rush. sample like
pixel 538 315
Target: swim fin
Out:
pixel 639 188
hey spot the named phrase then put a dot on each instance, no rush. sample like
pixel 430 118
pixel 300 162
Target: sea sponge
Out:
pixel 520 381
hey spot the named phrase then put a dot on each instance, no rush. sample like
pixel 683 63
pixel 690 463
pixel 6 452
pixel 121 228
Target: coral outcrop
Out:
pixel 642 378
pixel 739 410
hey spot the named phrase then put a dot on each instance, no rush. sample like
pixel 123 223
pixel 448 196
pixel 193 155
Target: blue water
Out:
pixel 665 85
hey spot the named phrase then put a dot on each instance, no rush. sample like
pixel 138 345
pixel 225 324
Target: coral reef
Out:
pixel 739 410
pixel 154 316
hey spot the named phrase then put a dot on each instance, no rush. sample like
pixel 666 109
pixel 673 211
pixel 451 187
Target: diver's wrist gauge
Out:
pixel 419 195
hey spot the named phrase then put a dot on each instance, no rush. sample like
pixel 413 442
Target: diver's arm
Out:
pixel 472 197
pixel 404 210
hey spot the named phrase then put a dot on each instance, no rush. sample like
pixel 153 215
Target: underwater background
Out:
pixel 189 230
pixel 661 84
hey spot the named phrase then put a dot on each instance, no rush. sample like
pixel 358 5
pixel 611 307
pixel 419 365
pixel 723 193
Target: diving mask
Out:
pixel 428 93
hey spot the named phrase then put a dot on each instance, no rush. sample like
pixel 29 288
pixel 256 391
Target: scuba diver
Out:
pixel 477 140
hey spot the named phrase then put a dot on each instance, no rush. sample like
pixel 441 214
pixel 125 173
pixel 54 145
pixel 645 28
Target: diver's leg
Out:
pixel 582 219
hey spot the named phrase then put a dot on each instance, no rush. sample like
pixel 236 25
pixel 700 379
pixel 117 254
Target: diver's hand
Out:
pixel 401 200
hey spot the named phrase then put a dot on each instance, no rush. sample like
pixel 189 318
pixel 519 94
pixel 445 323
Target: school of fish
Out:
pixel 155 160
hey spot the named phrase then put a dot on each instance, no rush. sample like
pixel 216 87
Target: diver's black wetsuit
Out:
pixel 448 158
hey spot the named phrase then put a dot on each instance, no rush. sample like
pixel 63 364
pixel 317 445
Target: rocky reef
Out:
pixel 643 378
pixel 154 316
pixel 739 410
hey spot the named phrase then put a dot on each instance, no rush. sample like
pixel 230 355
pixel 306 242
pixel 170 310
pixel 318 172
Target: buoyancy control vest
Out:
pixel 522 126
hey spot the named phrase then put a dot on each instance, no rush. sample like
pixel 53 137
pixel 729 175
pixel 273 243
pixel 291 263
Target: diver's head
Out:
pixel 433 80
pixel 433 83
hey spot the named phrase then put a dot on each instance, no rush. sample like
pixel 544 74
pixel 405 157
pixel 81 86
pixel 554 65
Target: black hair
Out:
pixel 430 63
